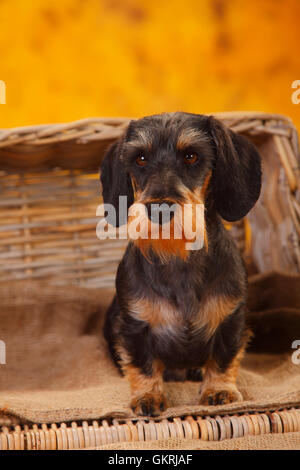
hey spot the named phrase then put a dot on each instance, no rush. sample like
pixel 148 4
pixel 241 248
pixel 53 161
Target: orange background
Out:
pixel 67 59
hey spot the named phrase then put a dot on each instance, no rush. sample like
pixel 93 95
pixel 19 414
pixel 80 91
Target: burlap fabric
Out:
pixel 58 369
pixel 290 441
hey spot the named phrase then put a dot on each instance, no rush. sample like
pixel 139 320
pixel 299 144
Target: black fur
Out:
pixel 237 173
pixel 115 181
pixel 219 270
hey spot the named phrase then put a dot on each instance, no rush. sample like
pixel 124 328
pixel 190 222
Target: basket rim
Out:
pixel 111 120
pixel 95 433
pixel 101 131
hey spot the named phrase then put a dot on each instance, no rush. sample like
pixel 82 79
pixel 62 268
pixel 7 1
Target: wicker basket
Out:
pixel 49 194
pixel 50 191
pixel 104 434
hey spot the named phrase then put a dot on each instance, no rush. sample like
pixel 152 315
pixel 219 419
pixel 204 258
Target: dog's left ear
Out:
pixel 236 177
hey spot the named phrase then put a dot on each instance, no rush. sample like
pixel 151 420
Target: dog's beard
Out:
pixel 185 232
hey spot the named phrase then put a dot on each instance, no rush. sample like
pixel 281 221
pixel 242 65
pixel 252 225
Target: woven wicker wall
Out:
pixel 50 191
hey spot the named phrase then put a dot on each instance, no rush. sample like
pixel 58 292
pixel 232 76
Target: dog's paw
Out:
pixel 149 405
pixel 221 396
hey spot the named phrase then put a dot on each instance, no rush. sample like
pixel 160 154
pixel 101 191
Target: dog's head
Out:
pixel 182 158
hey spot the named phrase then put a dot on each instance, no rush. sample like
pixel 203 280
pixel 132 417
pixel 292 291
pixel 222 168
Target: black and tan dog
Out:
pixel 177 309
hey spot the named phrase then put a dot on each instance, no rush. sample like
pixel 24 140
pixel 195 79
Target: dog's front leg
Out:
pixel 219 387
pixel 147 395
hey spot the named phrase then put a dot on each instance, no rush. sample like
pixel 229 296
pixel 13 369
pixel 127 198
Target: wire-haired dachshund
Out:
pixel 177 309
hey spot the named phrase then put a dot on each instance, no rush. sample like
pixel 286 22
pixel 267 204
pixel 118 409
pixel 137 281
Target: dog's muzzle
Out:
pixel 160 212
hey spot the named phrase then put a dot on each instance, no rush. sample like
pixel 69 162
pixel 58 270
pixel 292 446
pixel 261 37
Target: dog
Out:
pixel 177 309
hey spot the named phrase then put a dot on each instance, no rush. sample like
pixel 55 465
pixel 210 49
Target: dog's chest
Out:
pixel 182 336
pixel 179 339
pixel 180 323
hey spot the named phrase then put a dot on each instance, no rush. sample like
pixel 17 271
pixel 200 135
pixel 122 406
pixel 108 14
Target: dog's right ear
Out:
pixel 116 182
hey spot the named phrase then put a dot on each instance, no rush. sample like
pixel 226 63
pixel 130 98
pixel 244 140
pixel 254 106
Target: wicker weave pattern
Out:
pixel 52 232
pixel 85 435
pixel 48 213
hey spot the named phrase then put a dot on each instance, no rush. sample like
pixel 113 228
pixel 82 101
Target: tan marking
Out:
pixel 174 246
pixel 212 372
pixel 216 382
pixel 141 384
pixel 205 186
pixel 203 196
pixel 194 198
pixel 159 313
pixel 213 311
pixel 143 139
pixel 164 249
pixel 134 185
pixel 124 356
pixel 146 390
pixel 190 136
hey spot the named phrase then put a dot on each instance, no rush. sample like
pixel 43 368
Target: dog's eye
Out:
pixel 141 160
pixel 190 158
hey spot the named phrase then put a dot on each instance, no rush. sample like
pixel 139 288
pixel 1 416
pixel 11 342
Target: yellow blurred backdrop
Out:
pixel 63 60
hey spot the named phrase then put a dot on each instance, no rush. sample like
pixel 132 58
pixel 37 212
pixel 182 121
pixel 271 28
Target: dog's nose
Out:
pixel 160 212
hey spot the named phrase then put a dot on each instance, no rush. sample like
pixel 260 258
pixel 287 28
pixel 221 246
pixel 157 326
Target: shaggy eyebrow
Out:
pixel 190 136
pixel 143 139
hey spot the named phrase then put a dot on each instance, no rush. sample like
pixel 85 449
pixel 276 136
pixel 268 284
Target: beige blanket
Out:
pixel 58 369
